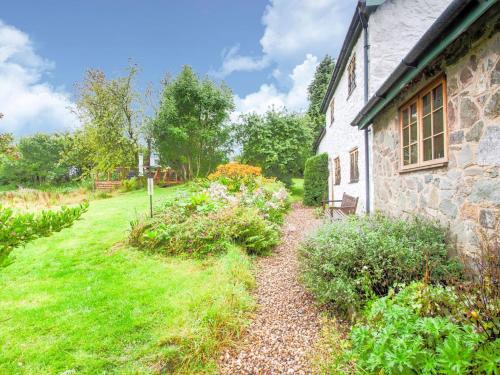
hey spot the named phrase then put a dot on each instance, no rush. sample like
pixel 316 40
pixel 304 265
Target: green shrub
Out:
pixel 211 218
pixel 414 332
pixel 18 230
pixel 316 179
pixel 349 262
pixel 252 232
pixel 134 183
pixel 200 235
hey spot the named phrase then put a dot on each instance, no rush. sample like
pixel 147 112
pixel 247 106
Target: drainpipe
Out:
pixel 364 23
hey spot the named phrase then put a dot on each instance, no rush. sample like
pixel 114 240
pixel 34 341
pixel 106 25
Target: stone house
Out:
pixel 435 125
pixel 380 34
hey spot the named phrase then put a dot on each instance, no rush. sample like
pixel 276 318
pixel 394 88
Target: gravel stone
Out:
pixel 287 324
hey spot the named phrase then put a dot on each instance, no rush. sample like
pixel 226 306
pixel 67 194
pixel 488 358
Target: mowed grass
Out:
pixel 297 190
pixel 79 301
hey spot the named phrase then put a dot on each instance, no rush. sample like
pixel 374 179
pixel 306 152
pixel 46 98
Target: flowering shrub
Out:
pixel 235 171
pixel 212 217
pixel 235 175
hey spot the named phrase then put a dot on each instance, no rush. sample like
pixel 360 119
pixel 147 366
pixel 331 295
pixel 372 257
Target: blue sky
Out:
pixel 265 50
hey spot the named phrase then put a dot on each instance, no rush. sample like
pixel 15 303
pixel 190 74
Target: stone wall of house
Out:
pixel 464 194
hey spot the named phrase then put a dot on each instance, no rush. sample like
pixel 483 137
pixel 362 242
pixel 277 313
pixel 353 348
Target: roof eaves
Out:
pixel 319 139
pixel 427 48
pixel 341 62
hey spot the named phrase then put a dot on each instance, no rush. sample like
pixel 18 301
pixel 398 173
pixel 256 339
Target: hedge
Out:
pixel 316 179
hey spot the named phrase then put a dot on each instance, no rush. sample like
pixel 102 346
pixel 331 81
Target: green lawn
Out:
pixel 79 300
pixel 297 190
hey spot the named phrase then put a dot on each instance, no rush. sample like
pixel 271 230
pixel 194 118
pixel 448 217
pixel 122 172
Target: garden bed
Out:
pixel 410 307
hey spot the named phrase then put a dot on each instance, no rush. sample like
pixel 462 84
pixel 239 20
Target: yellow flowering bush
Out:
pixel 234 175
pixel 235 171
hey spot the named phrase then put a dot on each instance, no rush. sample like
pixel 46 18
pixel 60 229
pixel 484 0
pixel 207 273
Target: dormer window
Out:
pixel 332 107
pixel 351 71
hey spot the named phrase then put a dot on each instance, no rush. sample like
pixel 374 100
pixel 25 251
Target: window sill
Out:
pixel 423 167
pixel 353 181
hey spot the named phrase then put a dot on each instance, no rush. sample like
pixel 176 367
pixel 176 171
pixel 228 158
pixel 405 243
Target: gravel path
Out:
pixel 287 323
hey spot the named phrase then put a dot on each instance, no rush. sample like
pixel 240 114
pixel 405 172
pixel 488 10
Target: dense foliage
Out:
pixel 316 92
pixel 18 229
pixel 349 262
pixel 36 159
pixel 417 331
pixel 191 130
pixel 316 179
pixel 215 216
pixel 279 142
pixel 109 112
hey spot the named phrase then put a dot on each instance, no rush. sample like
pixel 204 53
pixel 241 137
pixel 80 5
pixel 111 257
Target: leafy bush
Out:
pixel 414 332
pixel 480 292
pixel 208 221
pixel 349 262
pixel 201 235
pixel 316 179
pixel 17 230
pixel 251 231
pixel 133 183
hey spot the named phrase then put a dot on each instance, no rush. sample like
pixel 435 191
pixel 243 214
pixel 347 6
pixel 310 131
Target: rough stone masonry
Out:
pixel 464 194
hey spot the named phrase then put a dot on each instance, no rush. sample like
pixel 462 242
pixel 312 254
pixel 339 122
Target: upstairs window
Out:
pixel 351 71
pixel 332 107
pixel 354 165
pixel 336 165
pixel 423 128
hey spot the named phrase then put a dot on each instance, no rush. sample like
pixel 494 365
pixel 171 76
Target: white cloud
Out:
pixel 28 103
pixel 296 33
pixel 293 29
pixel 269 95
pixel 233 62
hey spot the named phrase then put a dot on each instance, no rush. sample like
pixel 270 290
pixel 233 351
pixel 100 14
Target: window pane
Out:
pixel 438 121
pixel 413 133
pixel 406 156
pixel 413 153
pixel 426 101
pixel 427 126
pixel 437 97
pixel 405 117
pixel 405 136
pixel 428 149
pixel 439 146
pixel 413 113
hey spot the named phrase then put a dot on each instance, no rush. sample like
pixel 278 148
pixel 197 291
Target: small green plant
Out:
pixel 18 229
pixel 133 183
pixel 480 292
pixel 413 332
pixel 316 179
pixel 349 262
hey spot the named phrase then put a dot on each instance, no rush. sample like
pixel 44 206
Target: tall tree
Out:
pixel 191 131
pixel 316 92
pixel 109 111
pixel 37 160
pixel 279 142
pixel 7 148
